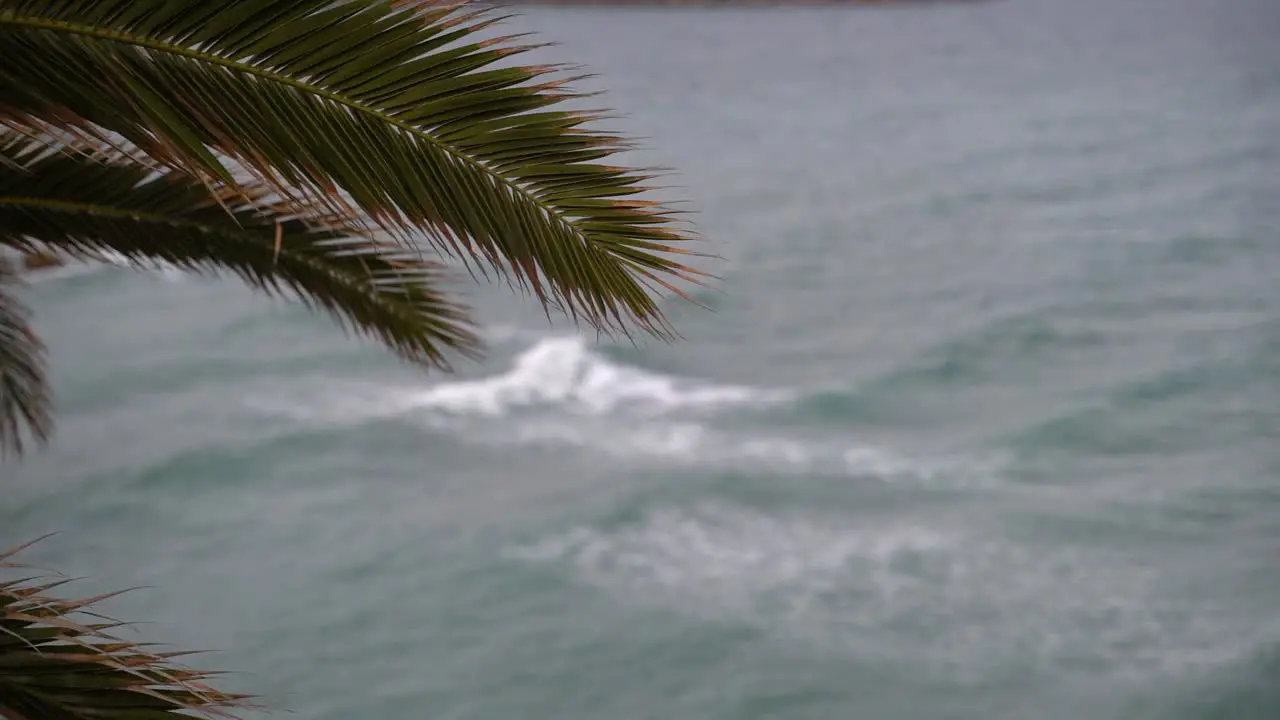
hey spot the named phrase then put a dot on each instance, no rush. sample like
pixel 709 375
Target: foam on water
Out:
pixel 563 371
pixel 693 444
pixel 553 374
pixel 962 601
pixel 559 393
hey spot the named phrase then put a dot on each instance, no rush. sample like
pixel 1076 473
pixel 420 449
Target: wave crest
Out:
pixel 563 371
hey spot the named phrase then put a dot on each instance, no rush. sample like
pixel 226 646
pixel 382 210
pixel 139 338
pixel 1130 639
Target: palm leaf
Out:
pixel 97 200
pixel 60 660
pixel 80 199
pixel 24 389
pixel 399 111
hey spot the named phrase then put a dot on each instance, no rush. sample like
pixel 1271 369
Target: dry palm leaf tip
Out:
pixel 60 659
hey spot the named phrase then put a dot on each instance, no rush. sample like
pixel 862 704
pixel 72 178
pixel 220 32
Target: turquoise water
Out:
pixel 981 423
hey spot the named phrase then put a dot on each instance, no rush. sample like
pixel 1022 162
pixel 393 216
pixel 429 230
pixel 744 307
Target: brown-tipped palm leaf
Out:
pixel 400 111
pixel 59 661
pixel 85 200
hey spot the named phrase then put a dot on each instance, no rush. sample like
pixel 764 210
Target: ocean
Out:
pixel 980 420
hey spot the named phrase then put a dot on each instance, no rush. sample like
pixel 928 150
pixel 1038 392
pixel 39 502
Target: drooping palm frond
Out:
pixel 61 661
pixel 83 199
pixel 24 388
pixel 398 110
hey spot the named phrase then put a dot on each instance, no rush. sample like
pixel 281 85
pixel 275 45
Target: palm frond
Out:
pixel 398 110
pixel 83 199
pixel 24 388
pixel 59 659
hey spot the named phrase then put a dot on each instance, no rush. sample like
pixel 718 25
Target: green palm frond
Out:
pixel 24 388
pixel 59 660
pixel 400 111
pixel 97 200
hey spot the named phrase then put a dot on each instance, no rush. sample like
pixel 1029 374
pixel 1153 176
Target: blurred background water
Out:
pixel 981 423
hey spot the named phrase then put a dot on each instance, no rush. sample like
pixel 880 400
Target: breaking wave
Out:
pixel 563 371
pixel 559 393
pixel 559 373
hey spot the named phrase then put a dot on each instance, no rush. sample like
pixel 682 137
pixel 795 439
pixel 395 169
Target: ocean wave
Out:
pixel 563 371
pixel 558 393
pixel 961 601
pixel 557 374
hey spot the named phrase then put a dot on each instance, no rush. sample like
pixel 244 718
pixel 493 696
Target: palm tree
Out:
pixel 339 151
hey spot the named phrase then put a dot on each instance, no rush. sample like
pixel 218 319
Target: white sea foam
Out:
pixel 961 600
pixel 558 374
pixel 686 443
pixel 564 372
pixel 558 393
